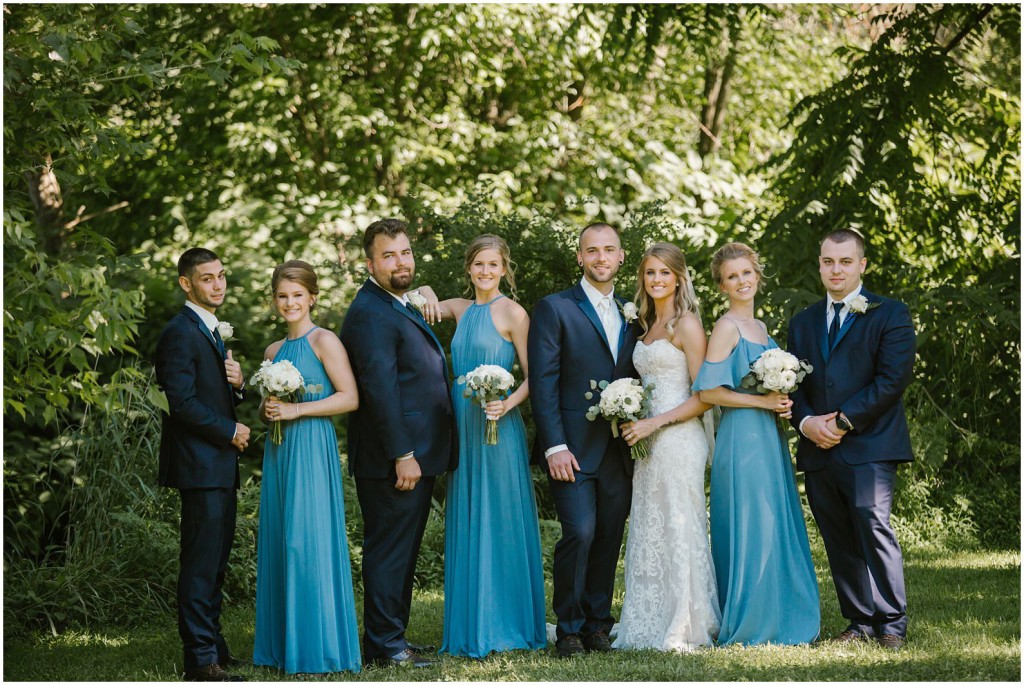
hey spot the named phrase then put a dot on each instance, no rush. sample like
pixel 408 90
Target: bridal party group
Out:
pixel 733 571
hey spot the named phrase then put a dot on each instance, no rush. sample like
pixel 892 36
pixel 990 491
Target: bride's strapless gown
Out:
pixel 671 600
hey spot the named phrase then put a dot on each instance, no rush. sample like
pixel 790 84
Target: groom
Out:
pixel 850 415
pixel 199 448
pixel 399 439
pixel 576 336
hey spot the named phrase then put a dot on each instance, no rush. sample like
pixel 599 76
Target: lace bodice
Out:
pixel 665 364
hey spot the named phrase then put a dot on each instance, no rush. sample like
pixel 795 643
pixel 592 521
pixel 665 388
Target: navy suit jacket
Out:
pixel 869 367
pixel 404 389
pixel 195 445
pixel 567 349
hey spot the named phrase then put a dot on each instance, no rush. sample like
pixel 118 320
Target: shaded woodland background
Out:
pixel 132 132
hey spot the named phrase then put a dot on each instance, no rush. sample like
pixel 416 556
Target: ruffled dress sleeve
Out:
pixel 727 373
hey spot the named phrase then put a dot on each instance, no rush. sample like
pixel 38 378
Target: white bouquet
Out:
pixel 776 371
pixel 626 399
pixel 281 380
pixel 487 383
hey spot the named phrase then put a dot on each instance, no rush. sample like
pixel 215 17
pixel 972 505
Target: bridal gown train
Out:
pixel 671 601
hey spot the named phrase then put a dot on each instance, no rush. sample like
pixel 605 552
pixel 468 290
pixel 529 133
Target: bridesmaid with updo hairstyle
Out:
pixel 305 606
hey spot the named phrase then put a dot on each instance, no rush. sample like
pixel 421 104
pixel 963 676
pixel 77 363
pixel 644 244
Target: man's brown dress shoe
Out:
pixel 893 642
pixel 569 645
pixel 212 673
pixel 849 635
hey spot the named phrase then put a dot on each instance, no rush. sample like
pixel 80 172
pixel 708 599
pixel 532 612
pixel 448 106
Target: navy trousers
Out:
pixel 393 525
pixel 851 504
pixel 593 513
pixel 207 532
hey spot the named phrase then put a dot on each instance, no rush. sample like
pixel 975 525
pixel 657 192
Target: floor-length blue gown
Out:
pixel 766 582
pixel 493 574
pixel 305 608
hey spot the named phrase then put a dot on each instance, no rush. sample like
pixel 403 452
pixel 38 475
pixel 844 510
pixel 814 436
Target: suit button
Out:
pixel 830 384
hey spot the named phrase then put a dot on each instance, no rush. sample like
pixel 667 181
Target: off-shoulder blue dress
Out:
pixel 766 582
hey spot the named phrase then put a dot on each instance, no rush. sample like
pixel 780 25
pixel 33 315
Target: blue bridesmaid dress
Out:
pixel 766 582
pixel 305 608
pixel 493 573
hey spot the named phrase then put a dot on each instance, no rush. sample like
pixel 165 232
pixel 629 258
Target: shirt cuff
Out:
pixel 801 426
pixel 551 450
pixel 405 457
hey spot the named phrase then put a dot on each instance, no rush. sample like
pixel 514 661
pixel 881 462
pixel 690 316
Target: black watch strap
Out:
pixel 841 421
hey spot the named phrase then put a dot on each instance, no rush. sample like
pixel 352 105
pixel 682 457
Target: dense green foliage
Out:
pixel 271 132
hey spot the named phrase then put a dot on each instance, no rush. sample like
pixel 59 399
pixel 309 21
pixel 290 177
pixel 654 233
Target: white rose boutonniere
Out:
pixel 860 305
pixel 629 312
pixel 417 300
pixel 226 330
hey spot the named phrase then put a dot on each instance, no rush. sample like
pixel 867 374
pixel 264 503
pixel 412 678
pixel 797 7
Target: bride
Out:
pixel 671 601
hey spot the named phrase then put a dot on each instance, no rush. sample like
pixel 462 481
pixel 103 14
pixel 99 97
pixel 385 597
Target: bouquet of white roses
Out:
pixel 626 399
pixel 487 383
pixel 776 371
pixel 283 381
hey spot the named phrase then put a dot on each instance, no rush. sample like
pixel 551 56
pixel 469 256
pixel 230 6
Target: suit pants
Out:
pixel 393 525
pixel 207 533
pixel 592 511
pixel 851 504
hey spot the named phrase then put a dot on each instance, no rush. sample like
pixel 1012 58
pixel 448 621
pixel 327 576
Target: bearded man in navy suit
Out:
pixel 399 439
pixel 576 336
pixel 853 429
pixel 199 448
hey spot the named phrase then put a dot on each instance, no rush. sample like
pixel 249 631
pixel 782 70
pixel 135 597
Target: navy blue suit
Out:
pixel 197 458
pixel 404 406
pixel 850 486
pixel 568 348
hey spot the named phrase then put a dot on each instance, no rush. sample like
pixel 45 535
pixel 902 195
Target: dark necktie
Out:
pixel 833 330
pixel 220 344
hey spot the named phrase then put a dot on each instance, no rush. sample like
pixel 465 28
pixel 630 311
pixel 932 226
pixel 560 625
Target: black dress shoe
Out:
pixel 421 649
pixel 230 662
pixel 597 641
pixel 569 645
pixel 212 673
pixel 404 658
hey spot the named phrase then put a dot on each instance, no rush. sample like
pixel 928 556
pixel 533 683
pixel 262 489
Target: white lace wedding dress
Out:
pixel 671 600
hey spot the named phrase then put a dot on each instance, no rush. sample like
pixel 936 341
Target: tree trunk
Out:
pixel 716 94
pixel 44 190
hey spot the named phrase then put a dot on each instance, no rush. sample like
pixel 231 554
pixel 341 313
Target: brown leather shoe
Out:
pixel 212 673
pixel 892 642
pixel 569 645
pixel 597 641
pixel 849 635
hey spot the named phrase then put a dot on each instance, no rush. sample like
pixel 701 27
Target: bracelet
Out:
pixel 298 413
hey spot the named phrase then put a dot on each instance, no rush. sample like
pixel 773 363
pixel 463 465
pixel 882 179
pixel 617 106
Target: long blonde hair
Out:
pixel 489 241
pixel 685 298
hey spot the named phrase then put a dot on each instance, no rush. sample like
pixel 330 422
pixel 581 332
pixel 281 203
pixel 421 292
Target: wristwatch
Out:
pixel 842 423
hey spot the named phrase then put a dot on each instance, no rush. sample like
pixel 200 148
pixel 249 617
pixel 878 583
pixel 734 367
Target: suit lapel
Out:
pixel 412 316
pixel 819 321
pixel 202 327
pixel 623 328
pixel 583 302
pixel 852 318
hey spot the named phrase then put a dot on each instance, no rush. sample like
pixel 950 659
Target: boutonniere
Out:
pixel 860 305
pixel 417 300
pixel 628 310
pixel 226 330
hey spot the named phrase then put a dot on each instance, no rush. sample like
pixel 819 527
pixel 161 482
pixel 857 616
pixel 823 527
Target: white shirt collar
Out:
pixel 209 320
pixel 593 294
pixel 404 298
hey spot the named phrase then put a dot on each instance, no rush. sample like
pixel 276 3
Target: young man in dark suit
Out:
pixel 199 449
pixel 576 336
pixel 853 429
pixel 399 439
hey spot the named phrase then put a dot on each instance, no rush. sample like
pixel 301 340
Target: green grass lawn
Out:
pixel 964 625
